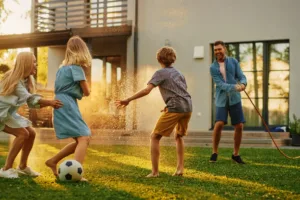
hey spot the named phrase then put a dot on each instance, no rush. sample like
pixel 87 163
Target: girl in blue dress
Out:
pixel 71 85
pixel 17 88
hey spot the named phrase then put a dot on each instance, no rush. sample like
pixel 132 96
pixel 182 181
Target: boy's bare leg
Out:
pixel 155 154
pixel 180 155
pixel 18 143
pixel 238 129
pixel 80 151
pixel 67 150
pixel 27 148
pixel 217 135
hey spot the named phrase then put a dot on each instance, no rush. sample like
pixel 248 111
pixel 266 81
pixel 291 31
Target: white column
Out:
pixel 55 57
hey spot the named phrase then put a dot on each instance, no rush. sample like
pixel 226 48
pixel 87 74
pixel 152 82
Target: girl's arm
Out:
pixel 85 88
pixel 53 103
pixel 34 100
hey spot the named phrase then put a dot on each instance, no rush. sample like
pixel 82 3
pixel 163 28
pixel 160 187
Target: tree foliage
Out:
pixel 42 70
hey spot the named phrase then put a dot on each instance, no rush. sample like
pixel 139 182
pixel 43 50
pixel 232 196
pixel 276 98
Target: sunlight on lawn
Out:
pixel 48 148
pixel 128 160
pixel 275 165
pixel 39 157
pixel 44 181
pixel 128 185
pixel 119 171
pixel 193 174
pixel 3 151
pixel 247 185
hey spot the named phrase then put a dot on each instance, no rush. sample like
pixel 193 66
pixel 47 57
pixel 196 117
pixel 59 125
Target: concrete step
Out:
pixel 49 133
pixel 201 139
pixel 172 143
pixel 189 141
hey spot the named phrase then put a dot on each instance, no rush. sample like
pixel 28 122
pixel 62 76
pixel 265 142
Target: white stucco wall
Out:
pixel 189 23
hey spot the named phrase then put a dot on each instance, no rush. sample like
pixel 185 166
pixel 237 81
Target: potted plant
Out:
pixel 295 130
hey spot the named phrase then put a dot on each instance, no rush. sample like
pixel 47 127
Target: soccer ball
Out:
pixel 70 170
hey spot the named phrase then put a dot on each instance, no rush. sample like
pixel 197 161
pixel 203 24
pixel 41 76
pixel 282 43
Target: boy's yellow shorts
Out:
pixel 168 121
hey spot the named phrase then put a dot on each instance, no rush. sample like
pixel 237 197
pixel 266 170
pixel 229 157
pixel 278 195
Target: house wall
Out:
pixel 184 24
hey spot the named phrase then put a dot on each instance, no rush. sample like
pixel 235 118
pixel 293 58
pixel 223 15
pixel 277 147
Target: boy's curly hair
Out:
pixel 166 56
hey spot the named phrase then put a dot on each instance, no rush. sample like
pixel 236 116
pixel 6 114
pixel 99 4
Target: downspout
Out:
pixel 135 64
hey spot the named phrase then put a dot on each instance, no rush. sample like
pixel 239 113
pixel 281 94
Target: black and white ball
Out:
pixel 70 170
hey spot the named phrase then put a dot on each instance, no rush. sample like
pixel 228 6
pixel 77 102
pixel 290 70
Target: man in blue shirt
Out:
pixel 230 81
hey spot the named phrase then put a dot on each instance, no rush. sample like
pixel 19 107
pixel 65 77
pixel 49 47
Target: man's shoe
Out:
pixel 213 157
pixel 237 159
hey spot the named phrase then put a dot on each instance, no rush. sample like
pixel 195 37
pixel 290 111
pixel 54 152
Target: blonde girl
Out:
pixel 71 85
pixel 17 88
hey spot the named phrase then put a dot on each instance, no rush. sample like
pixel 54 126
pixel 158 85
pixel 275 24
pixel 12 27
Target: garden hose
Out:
pixel 267 128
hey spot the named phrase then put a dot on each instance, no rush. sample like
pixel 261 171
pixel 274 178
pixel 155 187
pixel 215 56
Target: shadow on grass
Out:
pixel 277 176
pixel 213 184
pixel 46 187
pixel 30 188
pixel 117 172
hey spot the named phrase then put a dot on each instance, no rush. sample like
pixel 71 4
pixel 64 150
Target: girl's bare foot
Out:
pixel 178 173
pixel 84 180
pixel 52 166
pixel 152 175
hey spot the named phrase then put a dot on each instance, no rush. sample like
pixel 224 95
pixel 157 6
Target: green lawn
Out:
pixel 117 172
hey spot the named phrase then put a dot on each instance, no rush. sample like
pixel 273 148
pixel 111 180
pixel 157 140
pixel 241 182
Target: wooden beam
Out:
pixel 53 38
pixel 34 39
pixel 103 31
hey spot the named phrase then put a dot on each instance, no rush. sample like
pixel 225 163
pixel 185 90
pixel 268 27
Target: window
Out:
pixel 108 13
pixel 266 66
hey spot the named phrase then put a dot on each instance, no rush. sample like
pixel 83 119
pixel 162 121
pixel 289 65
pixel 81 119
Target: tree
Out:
pixel 8 56
pixel 42 70
pixel 3 11
pixel 4 68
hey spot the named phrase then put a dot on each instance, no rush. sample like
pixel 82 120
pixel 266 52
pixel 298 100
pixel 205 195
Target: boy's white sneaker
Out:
pixel 10 173
pixel 28 171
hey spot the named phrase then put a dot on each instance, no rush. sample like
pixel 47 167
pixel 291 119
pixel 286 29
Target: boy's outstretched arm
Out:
pixel 141 93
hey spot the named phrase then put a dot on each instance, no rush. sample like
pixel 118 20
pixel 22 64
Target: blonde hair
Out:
pixel 22 69
pixel 166 56
pixel 77 53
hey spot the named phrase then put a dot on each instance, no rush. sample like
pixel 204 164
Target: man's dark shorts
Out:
pixel 235 112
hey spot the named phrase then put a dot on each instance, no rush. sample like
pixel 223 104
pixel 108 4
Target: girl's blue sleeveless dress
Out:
pixel 68 122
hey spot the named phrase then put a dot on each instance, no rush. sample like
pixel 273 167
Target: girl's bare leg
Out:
pixel 21 136
pixel 81 148
pixel 67 150
pixel 27 147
